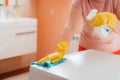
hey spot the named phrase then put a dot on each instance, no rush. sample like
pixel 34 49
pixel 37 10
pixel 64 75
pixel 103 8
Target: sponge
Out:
pixel 48 64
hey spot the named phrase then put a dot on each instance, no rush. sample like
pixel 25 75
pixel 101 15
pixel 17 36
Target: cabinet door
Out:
pixel 21 44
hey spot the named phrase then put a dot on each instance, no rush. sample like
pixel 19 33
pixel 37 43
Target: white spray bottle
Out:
pixel 102 31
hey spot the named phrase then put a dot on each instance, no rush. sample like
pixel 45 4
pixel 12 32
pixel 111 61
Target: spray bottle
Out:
pixel 102 31
pixel 2 14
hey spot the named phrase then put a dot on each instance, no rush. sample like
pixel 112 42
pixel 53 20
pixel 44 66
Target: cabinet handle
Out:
pixel 22 33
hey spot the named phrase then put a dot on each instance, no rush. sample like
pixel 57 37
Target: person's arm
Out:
pixel 74 18
pixel 63 44
pixel 117 12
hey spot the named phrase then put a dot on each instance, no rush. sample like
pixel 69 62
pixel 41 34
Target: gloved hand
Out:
pixel 60 51
pixel 103 18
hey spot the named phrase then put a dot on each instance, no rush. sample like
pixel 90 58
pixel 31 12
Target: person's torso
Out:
pixel 89 39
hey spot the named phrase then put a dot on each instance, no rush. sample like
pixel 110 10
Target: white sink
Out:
pixel 19 22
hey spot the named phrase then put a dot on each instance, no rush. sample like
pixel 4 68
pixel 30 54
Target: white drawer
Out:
pixel 21 41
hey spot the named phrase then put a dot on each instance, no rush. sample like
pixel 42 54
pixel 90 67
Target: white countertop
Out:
pixel 18 22
pixel 85 65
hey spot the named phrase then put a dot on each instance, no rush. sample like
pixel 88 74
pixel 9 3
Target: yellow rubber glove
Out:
pixel 60 51
pixel 104 18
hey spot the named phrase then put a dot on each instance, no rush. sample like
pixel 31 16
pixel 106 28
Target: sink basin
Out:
pixel 19 22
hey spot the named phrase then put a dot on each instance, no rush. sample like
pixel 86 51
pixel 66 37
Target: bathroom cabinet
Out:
pixel 18 44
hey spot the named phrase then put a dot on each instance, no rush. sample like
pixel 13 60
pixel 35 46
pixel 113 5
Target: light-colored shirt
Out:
pixel 88 38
